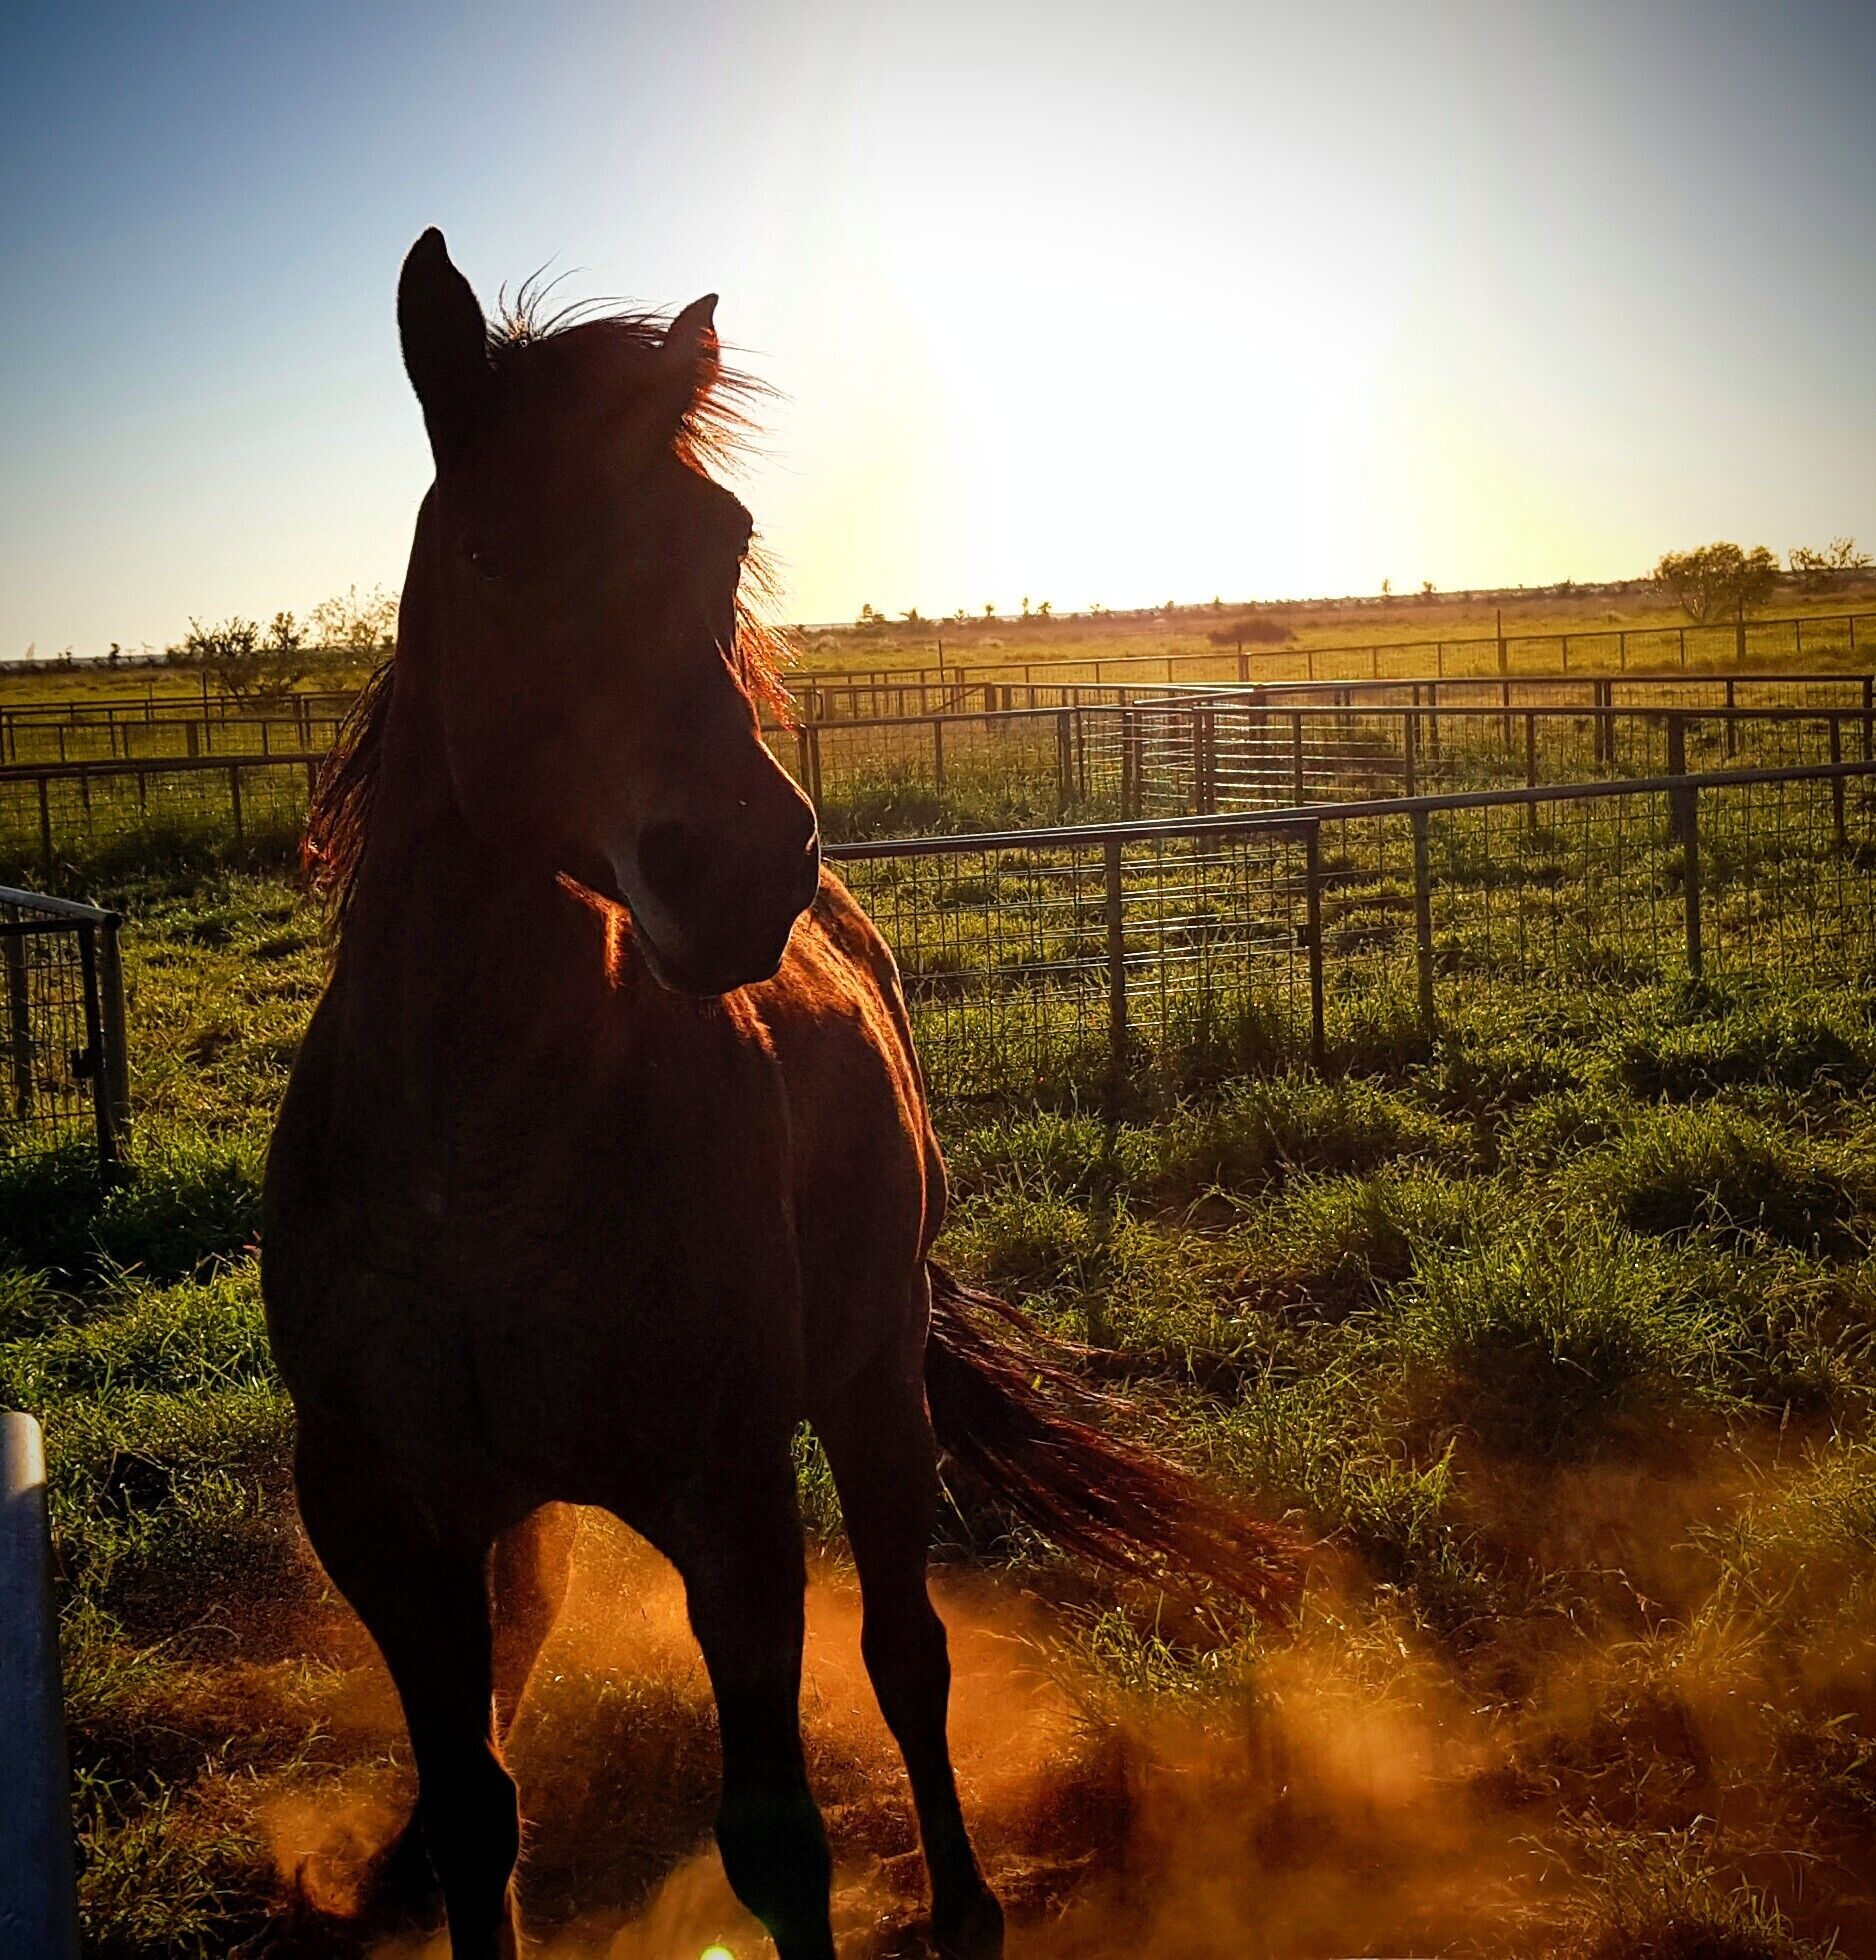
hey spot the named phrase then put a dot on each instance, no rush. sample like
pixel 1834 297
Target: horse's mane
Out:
pixel 715 431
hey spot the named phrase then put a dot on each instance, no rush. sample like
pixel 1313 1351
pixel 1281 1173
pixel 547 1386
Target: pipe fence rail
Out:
pixel 63 1048
pixel 1613 649
pixel 308 723
pixel 1094 961
pixel 1189 754
pixel 1198 756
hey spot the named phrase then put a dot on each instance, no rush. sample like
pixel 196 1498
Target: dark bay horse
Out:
pixel 606 1160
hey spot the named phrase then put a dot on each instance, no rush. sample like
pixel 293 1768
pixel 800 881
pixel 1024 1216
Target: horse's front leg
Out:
pixel 425 1602
pixel 740 1555
pixel 529 1571
pixel 879 1443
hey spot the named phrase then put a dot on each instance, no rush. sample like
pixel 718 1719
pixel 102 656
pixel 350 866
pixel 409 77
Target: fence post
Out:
pixel 234 800
pixel 1116 972
pixel 1409 745
pixel 96 1067
pixel 1312 927
pixel 1504 663
pixel 45 826
pixel 1296 756
pixel 1433 720
pixel 938 753
pixel 1621 652
pixel 1869 717
pixel 1530 767
pixel 19 1023
pixel 38 1888
pixel 1687 798
pixel 114 1077
pixel 1732 727
pixel 1739 634
pixel 1677 766
pixel 1064 762
pixel 1836 784
pixel 1423 922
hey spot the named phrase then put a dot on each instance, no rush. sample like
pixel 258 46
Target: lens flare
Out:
pixel 717 1953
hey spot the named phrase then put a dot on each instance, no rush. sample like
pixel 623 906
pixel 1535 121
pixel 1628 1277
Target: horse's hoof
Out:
pixel 971 1931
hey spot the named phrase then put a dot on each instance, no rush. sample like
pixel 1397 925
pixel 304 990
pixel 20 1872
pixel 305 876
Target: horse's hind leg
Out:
pixel 740 1555
pixel 425 1602
pixel 879 1443
pixel 529 1570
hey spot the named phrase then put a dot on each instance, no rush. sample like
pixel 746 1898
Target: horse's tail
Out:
pixel 1020 1422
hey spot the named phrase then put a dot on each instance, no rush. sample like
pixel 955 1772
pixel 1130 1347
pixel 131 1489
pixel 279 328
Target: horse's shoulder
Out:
pixel 841 921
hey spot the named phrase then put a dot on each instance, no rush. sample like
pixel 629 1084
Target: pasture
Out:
pixel 1550 1313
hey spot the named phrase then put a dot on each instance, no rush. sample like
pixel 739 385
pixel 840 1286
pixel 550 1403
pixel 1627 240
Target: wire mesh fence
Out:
pixel 64 1066
pixel 1109 962
pixel 1199 755
pixel 85 819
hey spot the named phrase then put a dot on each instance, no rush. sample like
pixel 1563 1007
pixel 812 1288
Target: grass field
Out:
pixel 1559 1332
pixel 1080 637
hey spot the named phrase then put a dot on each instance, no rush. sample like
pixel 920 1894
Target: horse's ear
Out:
pixel 445 341
pixel 692 355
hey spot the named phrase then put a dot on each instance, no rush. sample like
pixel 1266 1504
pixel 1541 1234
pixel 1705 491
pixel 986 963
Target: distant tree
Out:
pixel 114 655
pixel 911 617
pixel 353 622
pixel 1387 588
pixel 1044 610
pixel 32 651
pixel 990 609
pixel 1815 568
pixel 243 660
pixel 1717 579
pixel 1427 588
pixel 1025 605
pixel 65 656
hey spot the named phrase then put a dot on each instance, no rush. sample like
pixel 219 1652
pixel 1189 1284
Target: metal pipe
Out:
pixel 38 1883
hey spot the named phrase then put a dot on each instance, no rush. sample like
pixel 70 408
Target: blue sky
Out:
pixel 1092 303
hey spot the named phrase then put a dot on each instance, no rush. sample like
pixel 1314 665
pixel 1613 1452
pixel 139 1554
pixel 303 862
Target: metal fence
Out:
pixel 64 1052
pixel 1097 961
pixel 1194 754
pixel 1613 649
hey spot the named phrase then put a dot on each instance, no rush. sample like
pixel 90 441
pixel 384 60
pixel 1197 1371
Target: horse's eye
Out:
pixel 481 558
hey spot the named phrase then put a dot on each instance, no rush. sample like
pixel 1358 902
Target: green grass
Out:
pixel 1556 1331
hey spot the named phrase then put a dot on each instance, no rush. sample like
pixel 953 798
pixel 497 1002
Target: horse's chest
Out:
pixel 554 1290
